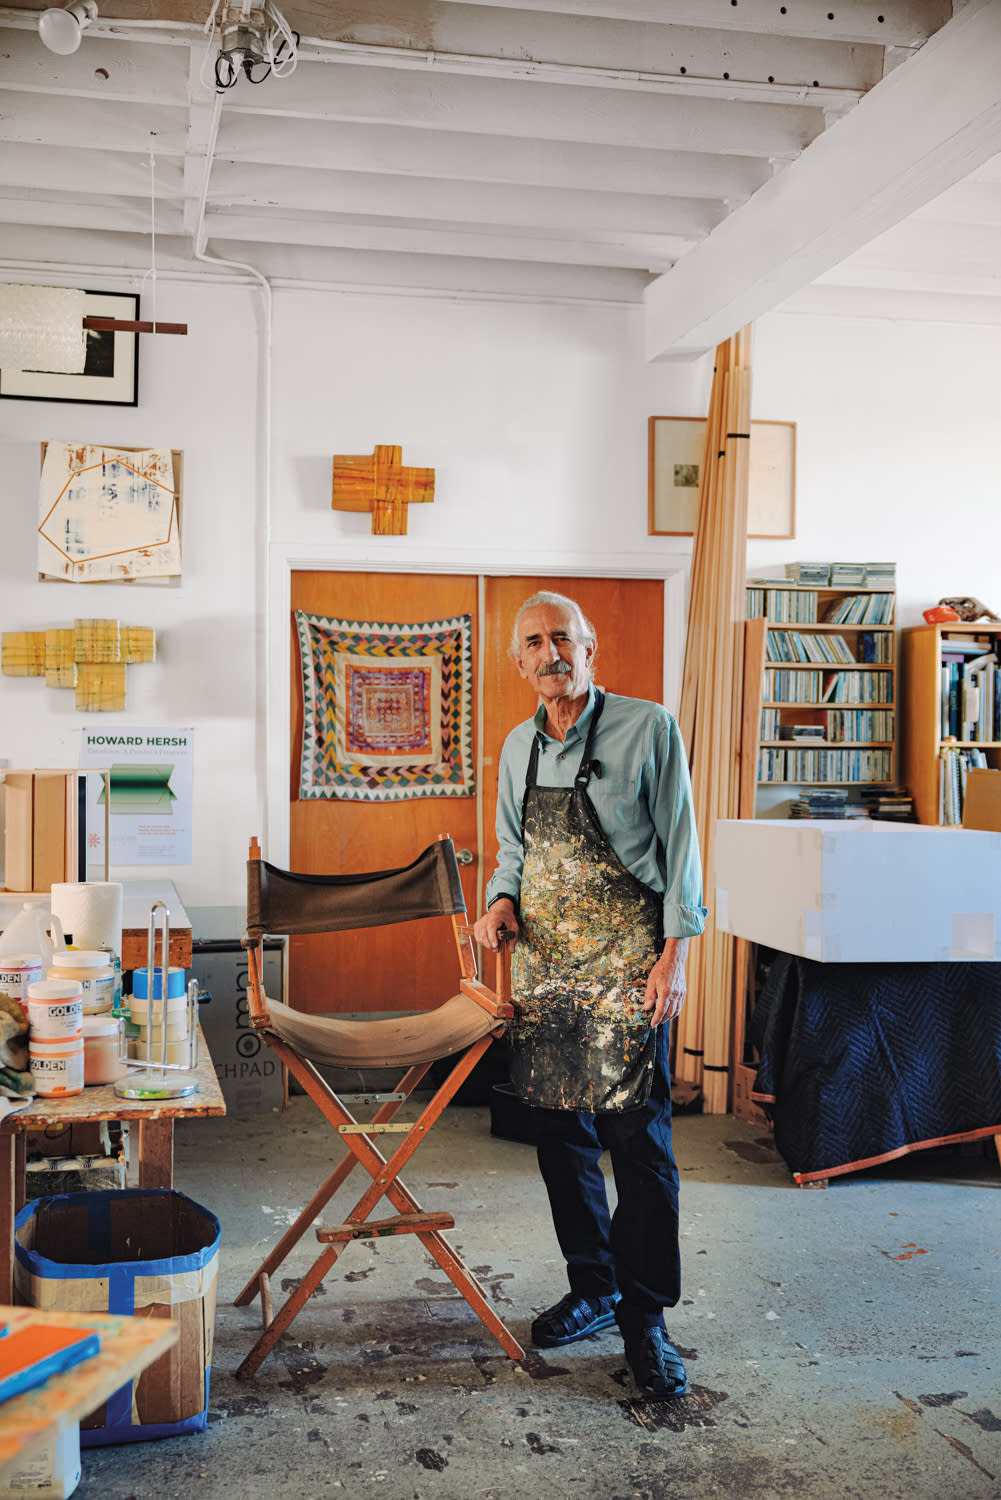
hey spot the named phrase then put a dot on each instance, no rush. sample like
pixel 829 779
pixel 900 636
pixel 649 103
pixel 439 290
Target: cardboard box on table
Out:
pixel 860 891
pixel 146 1253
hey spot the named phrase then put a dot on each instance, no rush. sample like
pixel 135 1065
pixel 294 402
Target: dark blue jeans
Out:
pixel 634 1250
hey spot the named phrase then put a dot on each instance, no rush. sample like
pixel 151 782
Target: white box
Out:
pixel 860 891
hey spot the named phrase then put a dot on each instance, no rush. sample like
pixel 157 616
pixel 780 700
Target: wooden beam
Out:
pixel 926 126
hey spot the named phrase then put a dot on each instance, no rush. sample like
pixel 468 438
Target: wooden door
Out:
pixel 412 967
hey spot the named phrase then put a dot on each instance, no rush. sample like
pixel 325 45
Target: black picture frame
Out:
pixel 111 374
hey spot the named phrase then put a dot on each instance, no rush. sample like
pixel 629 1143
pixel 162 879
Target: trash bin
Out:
pixel 150 1253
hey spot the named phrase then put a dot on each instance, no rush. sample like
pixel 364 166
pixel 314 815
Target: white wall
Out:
pixel 534 418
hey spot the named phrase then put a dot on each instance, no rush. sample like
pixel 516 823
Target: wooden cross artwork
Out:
pixel 379 483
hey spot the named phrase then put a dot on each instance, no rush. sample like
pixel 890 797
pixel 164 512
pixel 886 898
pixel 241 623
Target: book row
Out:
pixel 801 607
pixel 827 687
pixel 792 645
pixel 859 726
pixel 825 765
pixel 953 765
pixel 970 697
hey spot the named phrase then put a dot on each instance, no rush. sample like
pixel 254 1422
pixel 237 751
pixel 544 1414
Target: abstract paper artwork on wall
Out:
pixel 387 709
pixel 109 515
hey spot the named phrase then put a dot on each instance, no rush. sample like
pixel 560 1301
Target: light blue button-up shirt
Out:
pixel 643 799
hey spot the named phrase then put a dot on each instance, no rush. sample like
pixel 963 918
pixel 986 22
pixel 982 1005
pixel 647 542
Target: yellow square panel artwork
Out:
pixel 100 687
pixel 97 640
pixel 22 653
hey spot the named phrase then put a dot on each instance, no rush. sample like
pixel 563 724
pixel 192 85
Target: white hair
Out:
pixel 585 629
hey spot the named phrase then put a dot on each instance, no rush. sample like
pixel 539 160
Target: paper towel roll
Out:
pixel 90 913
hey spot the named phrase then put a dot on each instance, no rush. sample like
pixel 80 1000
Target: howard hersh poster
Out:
pixel 144 800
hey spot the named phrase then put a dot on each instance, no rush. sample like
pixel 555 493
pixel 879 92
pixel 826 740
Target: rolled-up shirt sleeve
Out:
pixel 672 813
pixel 506 879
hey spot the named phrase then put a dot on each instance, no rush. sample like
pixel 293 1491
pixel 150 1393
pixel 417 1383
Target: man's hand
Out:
pixel 501 914
pixel 665 985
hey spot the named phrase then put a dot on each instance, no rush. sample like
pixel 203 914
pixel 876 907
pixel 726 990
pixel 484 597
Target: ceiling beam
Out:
pixel 925 127
pixel 897 23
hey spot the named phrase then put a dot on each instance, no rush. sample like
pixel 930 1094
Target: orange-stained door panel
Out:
pixel 628 616
pixel 411 966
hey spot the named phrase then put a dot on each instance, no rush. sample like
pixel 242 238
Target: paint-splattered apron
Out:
pixel 590 934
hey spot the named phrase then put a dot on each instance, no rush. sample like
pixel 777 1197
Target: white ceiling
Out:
pixel 710 158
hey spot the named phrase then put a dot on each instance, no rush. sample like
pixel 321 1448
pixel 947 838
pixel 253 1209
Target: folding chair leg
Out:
pixel 322 1197
pixel 278 1325
pixel 465 1282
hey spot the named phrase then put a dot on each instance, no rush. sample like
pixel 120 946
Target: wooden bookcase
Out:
pixel 859 744
pixel 923 738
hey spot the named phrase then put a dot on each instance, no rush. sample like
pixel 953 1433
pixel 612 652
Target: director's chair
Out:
pixel 280 901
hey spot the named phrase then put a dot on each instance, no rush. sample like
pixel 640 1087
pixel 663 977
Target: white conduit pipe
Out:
pixel 264 441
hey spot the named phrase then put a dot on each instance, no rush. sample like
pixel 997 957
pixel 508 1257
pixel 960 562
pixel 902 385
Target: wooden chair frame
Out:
pixel 383 1171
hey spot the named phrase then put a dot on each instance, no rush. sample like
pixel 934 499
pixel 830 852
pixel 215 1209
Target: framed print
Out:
pixel 675 459
pixel 111 373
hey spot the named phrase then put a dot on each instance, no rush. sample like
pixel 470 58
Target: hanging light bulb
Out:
pixel 61 30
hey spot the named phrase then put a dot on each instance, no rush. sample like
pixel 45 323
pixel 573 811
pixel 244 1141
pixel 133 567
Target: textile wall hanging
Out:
pixel 387 709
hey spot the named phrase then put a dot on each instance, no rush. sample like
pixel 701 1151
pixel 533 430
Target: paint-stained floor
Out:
pixel 844 1343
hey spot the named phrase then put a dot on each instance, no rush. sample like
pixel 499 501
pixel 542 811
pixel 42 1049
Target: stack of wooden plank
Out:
pixel 41 828
pixel 710 715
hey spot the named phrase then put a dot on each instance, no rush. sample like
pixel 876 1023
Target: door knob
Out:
pixel 464 856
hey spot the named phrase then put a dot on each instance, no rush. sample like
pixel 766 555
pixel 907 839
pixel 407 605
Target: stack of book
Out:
pixel 848 575
pixel 881 575
pixel 820 805
pixel 889 804
pixel 809 573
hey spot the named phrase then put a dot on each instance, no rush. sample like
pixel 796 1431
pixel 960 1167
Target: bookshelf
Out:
pixel 949 707
pixel 827 663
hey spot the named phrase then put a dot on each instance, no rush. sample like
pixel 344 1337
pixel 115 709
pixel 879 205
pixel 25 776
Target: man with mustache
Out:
pixel 599 886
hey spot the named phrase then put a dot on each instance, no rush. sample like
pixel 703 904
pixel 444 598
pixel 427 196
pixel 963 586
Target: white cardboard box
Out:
pixel 860 891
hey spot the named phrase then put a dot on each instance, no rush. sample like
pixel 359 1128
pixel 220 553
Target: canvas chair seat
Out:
pixel 461 1028
pixel 423 1036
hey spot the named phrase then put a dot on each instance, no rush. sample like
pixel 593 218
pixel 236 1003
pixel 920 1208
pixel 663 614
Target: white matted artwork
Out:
pixel 109 515
pixel 675 462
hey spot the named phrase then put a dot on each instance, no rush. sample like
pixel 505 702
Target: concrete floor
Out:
pixel 840 1344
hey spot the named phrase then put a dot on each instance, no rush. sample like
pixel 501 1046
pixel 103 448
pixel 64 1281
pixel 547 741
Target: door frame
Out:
pixel 288 558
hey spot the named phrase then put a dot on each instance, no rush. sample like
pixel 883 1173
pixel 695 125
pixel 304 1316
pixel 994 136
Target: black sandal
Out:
pixel 573 1318
pixel 656 1364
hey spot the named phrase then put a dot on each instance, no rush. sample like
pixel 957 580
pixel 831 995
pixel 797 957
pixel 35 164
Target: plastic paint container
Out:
pixel 57 1065
pixel 94 971
pixel 176 986
pixel 55 1009
pixel 101 1062
pixel 17 971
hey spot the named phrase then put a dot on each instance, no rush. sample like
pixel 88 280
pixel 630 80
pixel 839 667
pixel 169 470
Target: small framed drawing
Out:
pixel 675 459
pixel 111 374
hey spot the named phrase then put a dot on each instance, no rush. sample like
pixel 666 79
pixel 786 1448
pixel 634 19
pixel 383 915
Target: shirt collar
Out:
pixel 579 728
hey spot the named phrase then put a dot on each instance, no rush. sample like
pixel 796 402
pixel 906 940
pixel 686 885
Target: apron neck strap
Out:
pixel 587 765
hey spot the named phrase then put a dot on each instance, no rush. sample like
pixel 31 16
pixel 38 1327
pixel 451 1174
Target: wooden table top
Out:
pixel 128 1345
pixel 100 1102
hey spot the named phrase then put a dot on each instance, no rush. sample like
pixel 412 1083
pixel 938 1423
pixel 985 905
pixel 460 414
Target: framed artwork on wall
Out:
pixel 675 461
pixel 111 374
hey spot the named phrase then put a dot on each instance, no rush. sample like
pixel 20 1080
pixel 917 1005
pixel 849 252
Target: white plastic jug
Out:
pixel 33 930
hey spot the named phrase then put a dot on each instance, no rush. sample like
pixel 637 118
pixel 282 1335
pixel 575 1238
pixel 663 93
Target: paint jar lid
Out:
pixel 79 958
pixel 100 1026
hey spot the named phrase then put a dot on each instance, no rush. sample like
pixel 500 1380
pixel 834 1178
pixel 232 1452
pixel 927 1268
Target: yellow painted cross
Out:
pixel 379 483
